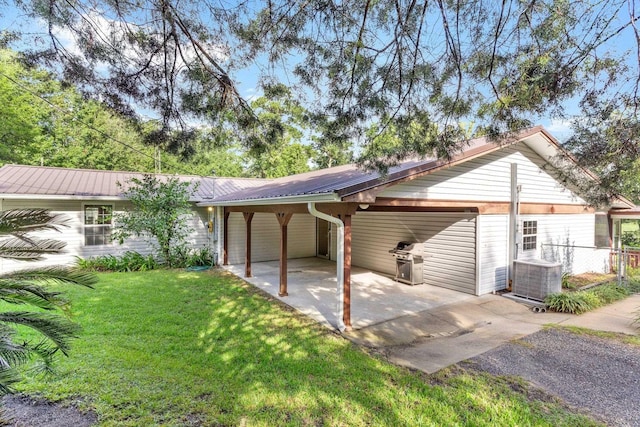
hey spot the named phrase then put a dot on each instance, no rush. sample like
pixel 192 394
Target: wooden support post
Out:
pixel 283 220
pixel 225 238
pixel 347 271
pixel 248 216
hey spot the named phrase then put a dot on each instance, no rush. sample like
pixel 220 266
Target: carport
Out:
pixel 462 214
pixel 375 297
pixel 280 244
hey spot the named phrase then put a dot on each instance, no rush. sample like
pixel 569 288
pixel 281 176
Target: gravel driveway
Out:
pixel 599 375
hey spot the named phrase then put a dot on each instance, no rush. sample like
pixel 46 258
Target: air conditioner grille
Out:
pixel 536 279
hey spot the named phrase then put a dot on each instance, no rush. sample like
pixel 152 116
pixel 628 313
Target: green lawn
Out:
pixel 178 348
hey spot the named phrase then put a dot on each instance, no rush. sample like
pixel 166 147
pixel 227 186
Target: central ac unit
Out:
pixel 535 279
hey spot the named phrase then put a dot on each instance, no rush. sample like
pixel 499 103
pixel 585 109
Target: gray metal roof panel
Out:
pixel 51 181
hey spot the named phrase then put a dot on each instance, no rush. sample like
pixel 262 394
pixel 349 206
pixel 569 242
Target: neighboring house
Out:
pixel 87 199
pixel 472 215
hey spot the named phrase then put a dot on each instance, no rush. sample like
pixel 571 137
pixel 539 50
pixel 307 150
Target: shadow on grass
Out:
pixel 282 368
pixel 184 348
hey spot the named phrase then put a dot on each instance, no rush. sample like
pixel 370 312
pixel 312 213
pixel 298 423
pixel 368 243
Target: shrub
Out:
pixel 202 256
pixel 570 302
pixel 610 293
pixel 633 286
pixel 129 261
pixel 579 302
pixel 182 257
pixel 566 281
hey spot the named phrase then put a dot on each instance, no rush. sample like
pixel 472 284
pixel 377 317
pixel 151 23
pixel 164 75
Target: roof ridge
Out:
pixel 103 170
pixel 134 172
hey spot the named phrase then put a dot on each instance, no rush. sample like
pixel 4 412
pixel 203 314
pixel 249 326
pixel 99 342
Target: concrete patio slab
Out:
pixel 375 297
pixel 423 327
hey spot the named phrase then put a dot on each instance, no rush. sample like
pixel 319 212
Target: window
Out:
pixel 529 235
pixel 601 235
pixel 97 224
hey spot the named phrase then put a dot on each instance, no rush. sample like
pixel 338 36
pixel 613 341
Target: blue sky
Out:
pixel 247 79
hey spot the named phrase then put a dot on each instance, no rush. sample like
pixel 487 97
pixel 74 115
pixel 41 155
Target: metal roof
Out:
pixel 347 180
pixel 332 184
pixel 52 182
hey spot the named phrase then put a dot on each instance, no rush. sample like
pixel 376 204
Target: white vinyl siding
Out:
pixel 568 239
pixel 493 233
pixel 449 242
pixel 265 237
pixel 73 234
pixel 487 178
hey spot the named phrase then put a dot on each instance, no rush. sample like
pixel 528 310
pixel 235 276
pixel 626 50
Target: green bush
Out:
pixel 182 257
pixel 202 256
pixel 129 261
pixel 579 302
pixel 610 293
pixel 566 281
pixel 134 261
pixel 633 286
pixel 569 302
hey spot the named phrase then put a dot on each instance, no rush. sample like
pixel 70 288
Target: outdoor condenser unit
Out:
pixel 535 279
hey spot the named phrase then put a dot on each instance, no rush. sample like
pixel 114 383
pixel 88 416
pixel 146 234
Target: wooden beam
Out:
pixel 483 207
pixel 552 208
pixel 248 216
pixel 347 272
pixel 430 203
pixel 225 238
pixel 287 208
pixel 283 220
pixel 331 208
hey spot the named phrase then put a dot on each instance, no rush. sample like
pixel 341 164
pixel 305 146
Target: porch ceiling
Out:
pixel 375 297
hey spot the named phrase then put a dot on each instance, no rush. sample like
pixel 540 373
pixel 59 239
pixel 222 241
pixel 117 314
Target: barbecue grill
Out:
pixel 409 262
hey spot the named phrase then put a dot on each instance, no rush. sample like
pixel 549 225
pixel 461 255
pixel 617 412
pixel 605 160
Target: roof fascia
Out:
pixel 59 197
pixel 68 197
pixel 284 200
pixel 558 146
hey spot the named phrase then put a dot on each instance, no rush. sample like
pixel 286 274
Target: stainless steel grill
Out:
pixel 409 262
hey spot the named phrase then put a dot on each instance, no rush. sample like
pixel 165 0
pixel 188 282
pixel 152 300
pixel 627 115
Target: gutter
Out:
pixel 339 260
pixel 280 200
pixel 61 197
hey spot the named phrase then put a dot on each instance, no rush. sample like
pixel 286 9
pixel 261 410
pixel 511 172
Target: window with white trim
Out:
pixel 98 222
pixel 529 235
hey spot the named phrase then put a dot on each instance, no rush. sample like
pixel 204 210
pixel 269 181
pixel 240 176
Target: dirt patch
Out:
pixel 24 411
pixel 586 279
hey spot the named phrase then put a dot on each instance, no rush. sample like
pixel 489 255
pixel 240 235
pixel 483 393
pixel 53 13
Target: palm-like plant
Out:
pixel 29 288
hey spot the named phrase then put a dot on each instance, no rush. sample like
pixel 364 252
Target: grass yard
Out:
pixel 183 348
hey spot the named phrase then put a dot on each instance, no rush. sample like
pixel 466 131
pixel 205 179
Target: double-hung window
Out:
pixel 529 235
pixel 98 222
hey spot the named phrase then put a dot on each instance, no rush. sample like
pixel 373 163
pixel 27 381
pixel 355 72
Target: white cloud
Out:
pixel 115 33
pixel 561 129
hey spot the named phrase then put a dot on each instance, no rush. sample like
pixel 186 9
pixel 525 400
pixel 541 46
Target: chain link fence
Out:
pixel 626 264
pixel 621 264
pixel 578 259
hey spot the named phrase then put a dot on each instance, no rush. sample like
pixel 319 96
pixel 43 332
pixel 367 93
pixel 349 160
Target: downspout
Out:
pixel 339 260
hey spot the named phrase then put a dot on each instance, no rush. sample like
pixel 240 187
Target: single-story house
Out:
pixel 470 217
pixel 88 198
